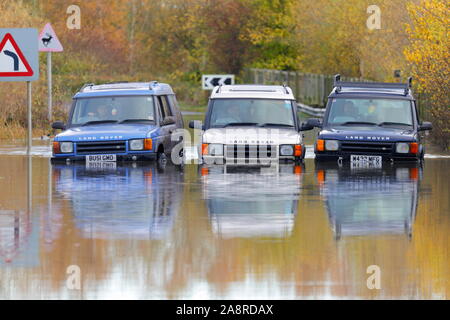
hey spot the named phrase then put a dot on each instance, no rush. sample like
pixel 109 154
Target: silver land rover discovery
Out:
pixel 251 125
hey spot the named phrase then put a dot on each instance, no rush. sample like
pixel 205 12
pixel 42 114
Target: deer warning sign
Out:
pixel 48 41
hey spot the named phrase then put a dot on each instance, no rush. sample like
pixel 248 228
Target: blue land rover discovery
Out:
pixel 119 121
pixel 369 122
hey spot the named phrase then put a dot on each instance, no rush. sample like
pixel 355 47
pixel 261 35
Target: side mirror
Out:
pixel 311 124
pixel 425 126
pixel 167 121
pixel 59 125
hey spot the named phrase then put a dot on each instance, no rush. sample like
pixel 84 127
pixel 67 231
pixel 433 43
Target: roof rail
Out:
pixel 337 78
pixel 86 85
pixel 338 84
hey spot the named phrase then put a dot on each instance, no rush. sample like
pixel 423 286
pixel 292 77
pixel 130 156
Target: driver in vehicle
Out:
pixel 232 115
pixel 101 113
pixel 349 109
pixel 345 112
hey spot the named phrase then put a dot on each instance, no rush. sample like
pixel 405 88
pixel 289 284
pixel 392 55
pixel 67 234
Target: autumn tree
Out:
pixel 429 55
pixel 270 32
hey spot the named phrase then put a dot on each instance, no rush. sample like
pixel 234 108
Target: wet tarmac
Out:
pixel 285 232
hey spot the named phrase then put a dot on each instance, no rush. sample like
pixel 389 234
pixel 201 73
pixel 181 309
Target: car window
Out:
pixel 259 111
pixel 113 108
pixel 165 108
pixel 376 111
pixel 175 109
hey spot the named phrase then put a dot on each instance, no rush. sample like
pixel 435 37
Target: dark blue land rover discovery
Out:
pixel 119 121
pixel 368 123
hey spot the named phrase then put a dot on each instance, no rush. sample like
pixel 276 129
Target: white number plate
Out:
pixel 96 158
pixel 357 161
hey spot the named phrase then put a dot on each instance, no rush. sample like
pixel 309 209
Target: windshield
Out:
pixel 370 112
pixel 114 109
pixel 226 112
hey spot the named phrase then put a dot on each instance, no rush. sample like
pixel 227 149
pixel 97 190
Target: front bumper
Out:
pixel 384 149
pixel 247 158
pixel 336 155
pixel 147 156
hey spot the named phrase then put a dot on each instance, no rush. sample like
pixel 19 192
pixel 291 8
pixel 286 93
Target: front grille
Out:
pixel 250 152
pixel 101 147
pixel 366 147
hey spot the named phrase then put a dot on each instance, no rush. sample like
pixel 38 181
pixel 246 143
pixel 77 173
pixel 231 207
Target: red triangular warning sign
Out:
pixel 16 62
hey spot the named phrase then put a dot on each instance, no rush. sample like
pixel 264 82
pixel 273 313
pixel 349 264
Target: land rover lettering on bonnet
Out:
pixel 367 123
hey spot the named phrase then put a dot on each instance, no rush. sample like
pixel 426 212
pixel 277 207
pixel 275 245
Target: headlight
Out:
pixel 215 149
pixel 331 145
pixel 286 150
pixel 137 144
pixel 402 148
pixel 66 147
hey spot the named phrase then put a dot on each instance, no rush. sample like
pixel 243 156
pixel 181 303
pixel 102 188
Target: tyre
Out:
pixel 161 160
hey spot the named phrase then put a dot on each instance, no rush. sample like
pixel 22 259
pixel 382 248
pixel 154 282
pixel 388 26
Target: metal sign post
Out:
pixel 49 42
pixel 29 115
pixel 49 80
pixel 19 61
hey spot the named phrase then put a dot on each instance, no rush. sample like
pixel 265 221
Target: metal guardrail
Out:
pixel 316 112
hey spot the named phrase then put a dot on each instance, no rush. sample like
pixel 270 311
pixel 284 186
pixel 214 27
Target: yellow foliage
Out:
pixel 429 55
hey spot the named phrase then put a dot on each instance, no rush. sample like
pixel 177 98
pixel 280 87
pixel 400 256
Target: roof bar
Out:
pixel 338 84
pixel 383 85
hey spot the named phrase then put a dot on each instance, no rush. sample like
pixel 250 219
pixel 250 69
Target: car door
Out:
pixel 166 128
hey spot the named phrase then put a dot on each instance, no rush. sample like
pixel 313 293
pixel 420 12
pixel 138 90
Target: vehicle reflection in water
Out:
pixel 138 202
pixel 245 202
pixel 363 202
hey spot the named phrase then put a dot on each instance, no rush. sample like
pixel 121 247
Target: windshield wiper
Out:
pixel 394 123
pixel 135 120
pixel 358 122
pixel 270 124
pixel 99 122
pixel 240 124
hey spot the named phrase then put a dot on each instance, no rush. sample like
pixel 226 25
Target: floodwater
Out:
pixel 286 232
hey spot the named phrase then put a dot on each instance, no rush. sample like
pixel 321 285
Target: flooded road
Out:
pixel 286 232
